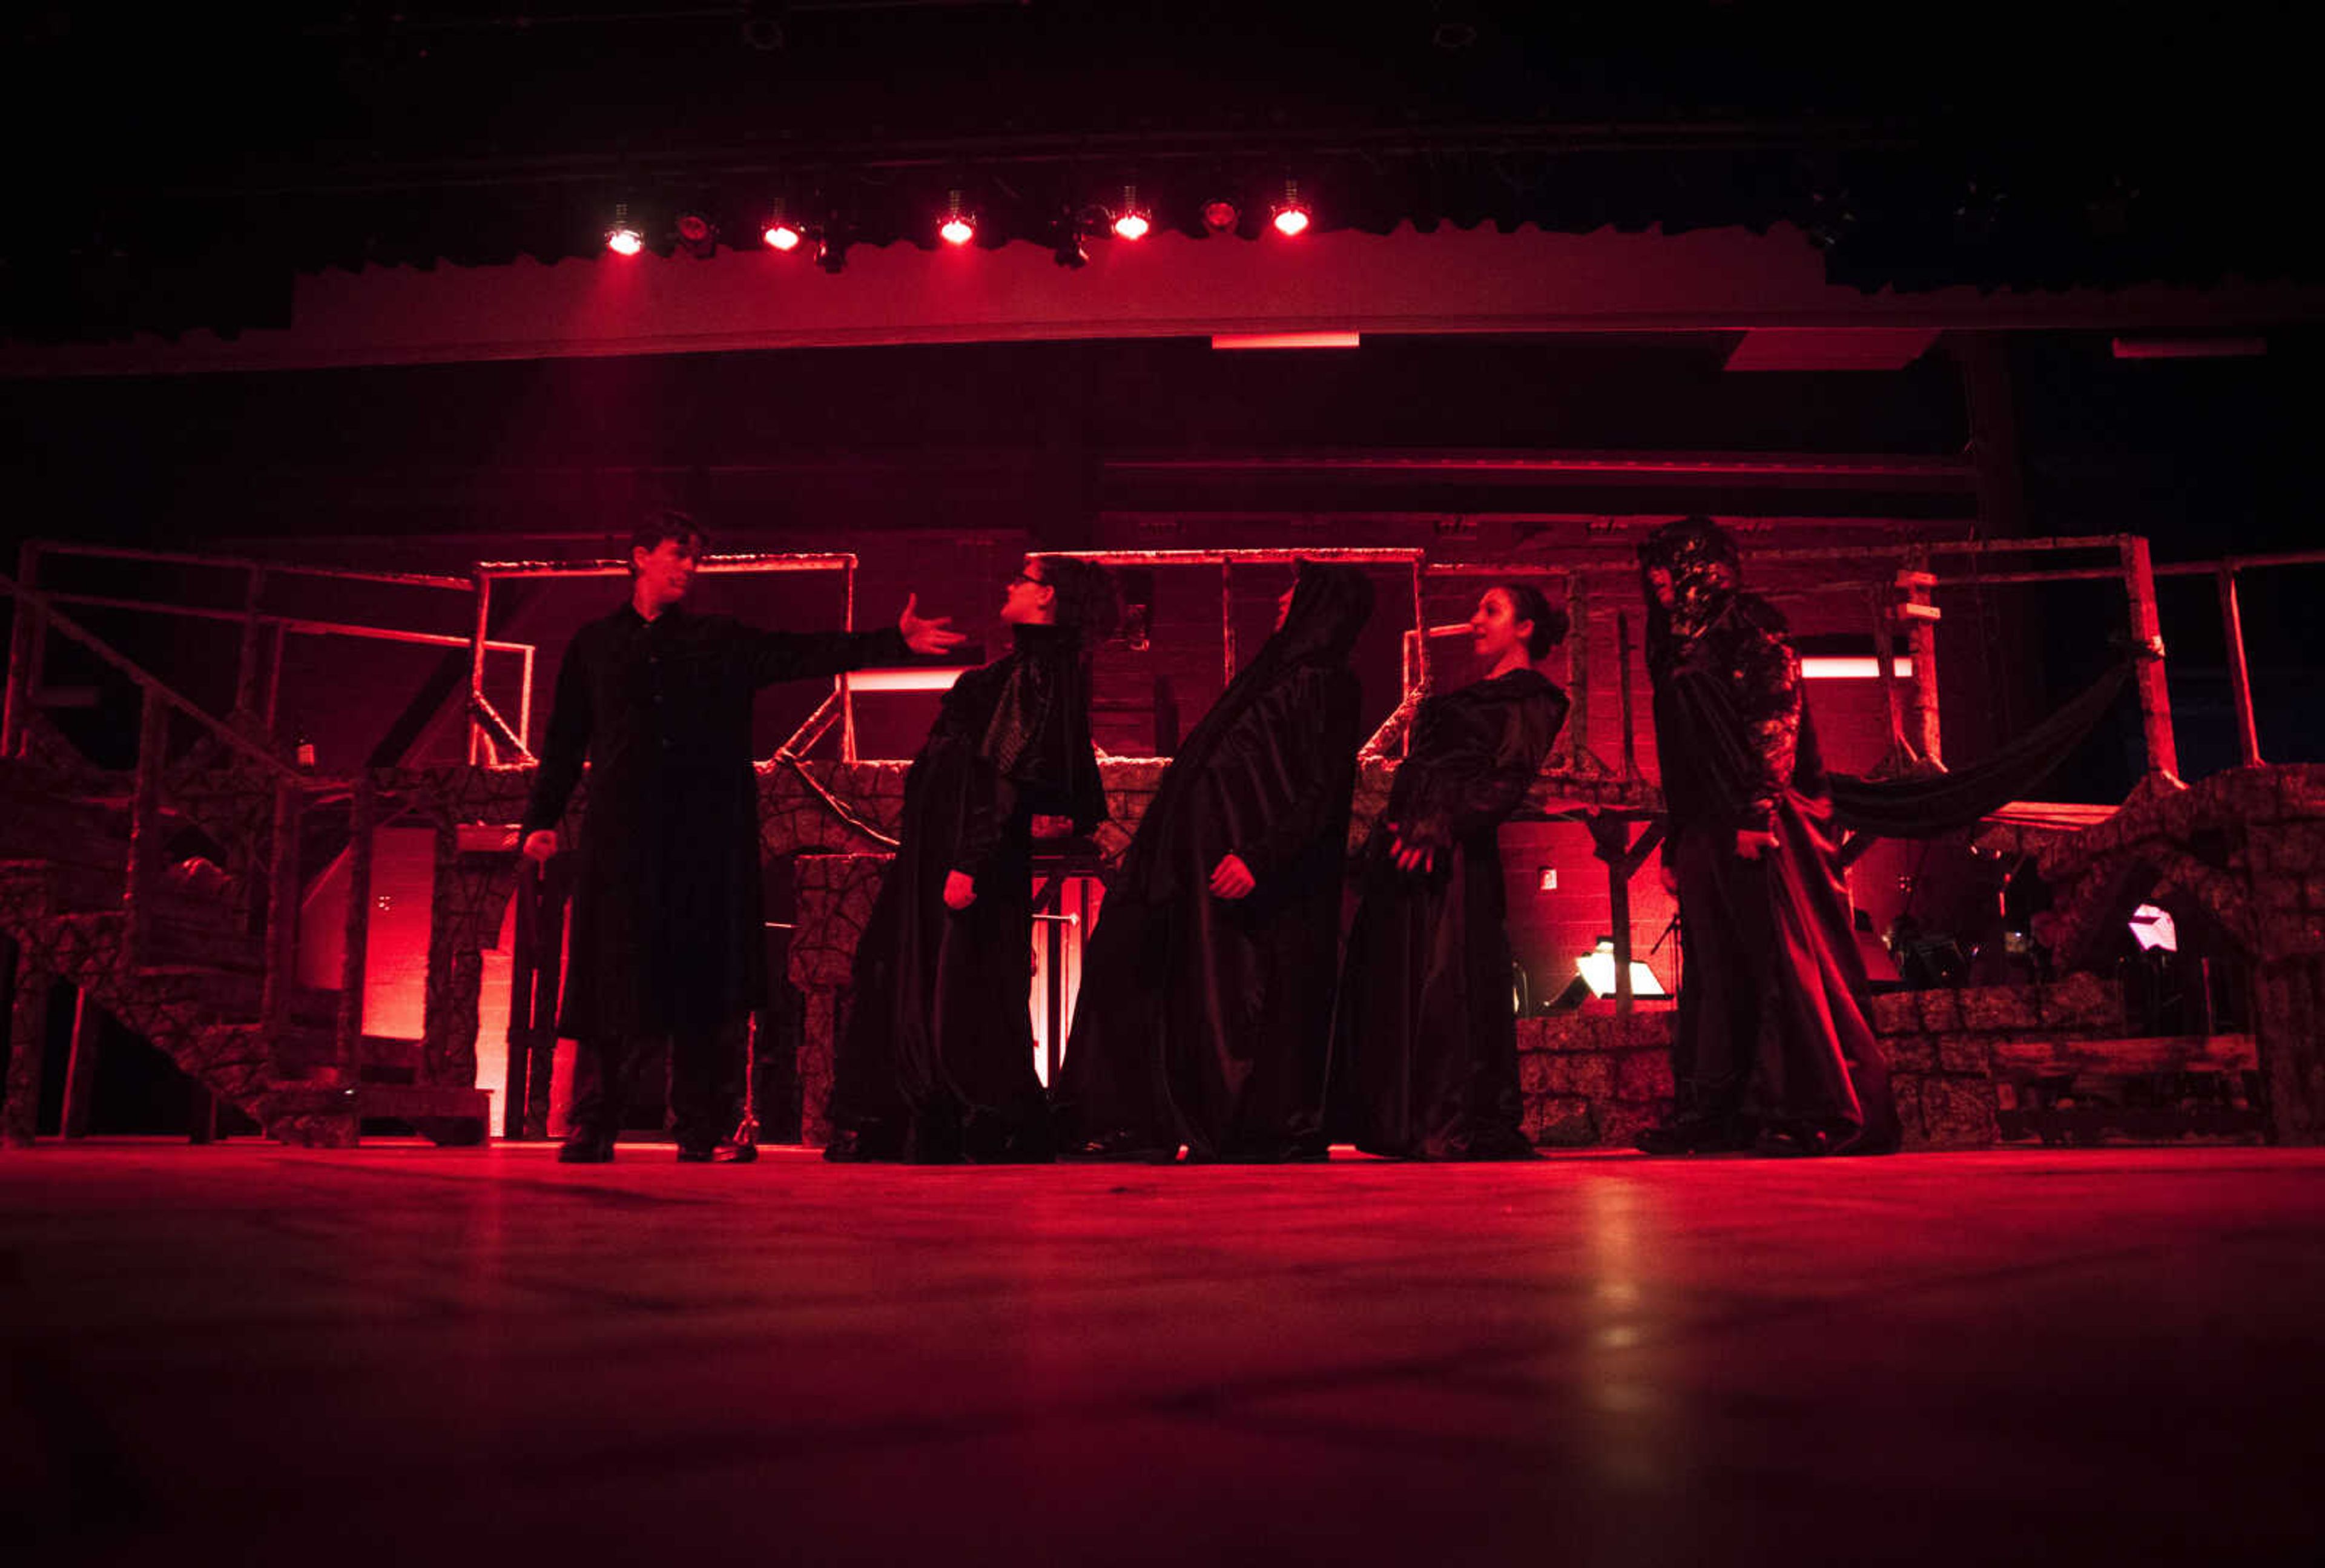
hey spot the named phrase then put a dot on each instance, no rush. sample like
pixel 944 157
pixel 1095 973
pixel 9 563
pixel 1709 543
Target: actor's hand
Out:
pixel 960 890
pixel 927 636
pixel 1231 878
pixel 1049 827
pixel 1412 857
pixel 1751 846
pixel 540 844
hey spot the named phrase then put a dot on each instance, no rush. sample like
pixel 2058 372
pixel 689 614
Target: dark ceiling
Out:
pixel 176 170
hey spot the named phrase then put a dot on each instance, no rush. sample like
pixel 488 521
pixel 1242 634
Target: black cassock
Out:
pixel 936 1060
pixel 1772 1025
pixel 1206 1021
pixel 1424 1043
pixel 667 934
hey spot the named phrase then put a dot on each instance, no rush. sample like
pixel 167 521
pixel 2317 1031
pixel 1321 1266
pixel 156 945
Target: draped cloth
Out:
pixel 936 1063
pixel 1205 1021
pixel 1923 808
pixel 1424 1038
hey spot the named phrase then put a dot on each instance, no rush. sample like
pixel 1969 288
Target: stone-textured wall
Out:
pixel 1593 1079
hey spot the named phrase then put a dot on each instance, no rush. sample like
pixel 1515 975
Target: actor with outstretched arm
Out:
pixel 668 941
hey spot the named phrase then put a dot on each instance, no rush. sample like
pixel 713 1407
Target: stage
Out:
pixel 254 1353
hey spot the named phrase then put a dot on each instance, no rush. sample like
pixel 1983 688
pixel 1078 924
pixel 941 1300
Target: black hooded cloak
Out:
pixel 937 1060
pixel 1771 1021
pixel 1207 1021
pixel 1424 1040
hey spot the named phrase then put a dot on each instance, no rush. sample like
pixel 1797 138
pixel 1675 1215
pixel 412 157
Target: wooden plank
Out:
pixel 2128 1058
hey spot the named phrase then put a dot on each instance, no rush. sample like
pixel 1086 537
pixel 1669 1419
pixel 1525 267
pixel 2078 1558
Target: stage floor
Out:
pixel 257 1354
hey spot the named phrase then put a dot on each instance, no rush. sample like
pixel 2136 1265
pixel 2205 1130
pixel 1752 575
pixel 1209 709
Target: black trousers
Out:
pixel 706 1083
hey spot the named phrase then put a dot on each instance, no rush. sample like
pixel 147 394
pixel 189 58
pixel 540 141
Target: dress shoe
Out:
pixel 1693 1134
pixel 585 1149
pixel 716 1154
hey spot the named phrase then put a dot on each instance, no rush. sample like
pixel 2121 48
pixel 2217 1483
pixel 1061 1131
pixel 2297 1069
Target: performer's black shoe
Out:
pixel 1127 1147
pixel 1797 1140
pixel 716 1154
pixel 585 1149
pixel 1694 1135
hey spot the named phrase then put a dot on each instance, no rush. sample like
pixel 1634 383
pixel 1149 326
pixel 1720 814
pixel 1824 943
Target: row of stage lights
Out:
pixel 1131 221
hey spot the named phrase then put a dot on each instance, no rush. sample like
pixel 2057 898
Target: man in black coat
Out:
pixel 669 943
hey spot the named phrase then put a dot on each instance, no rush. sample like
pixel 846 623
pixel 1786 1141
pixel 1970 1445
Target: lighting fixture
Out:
pixel 958 227
pixel 624 238
pixel 1292 217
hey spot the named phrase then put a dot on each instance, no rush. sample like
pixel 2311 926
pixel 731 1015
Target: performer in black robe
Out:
pixel 1773 1038
pixel 1425 1059
pixel 936 1063
pixel 667 938
pixel 1206 1004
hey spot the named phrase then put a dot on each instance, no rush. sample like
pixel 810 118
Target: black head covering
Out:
pixel 1038 736
pixel 1329 606
pixel 1706 572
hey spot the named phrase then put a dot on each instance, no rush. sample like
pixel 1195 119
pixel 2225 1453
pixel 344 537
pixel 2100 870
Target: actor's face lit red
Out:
pixel 1495 628
pixel 1028 600
pixel 667 570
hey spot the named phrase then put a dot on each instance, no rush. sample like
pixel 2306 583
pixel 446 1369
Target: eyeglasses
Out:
pixel 1024 577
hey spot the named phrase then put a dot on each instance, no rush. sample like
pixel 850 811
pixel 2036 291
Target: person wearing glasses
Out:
pixel 667 937
pixel 936 1063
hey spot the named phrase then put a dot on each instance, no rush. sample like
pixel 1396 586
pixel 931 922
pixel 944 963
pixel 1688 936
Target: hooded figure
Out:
pixel 1772 1037
pixel 937 1062
pixel 1206 1000
pixel 1424 1043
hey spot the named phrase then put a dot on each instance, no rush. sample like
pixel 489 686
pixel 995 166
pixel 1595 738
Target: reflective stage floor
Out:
pixel 404 1354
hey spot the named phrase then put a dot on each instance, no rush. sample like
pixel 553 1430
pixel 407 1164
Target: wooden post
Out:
pixel 2147 637
pixel 1884 658
pixel 2232 632
pixel 204 1116
pixel 1578 674
pixel 476 639
pixel 356 956
pixel 1921 615
pixel 80 1067
pixel 1630 729
pixel 144 867
pixel 28 1042
pixel 282 908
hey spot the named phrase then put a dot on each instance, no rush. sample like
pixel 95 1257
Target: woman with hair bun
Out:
pixel 937 1062
pixel 1425 1062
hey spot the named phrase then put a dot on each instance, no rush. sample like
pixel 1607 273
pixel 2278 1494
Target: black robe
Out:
pixel 1772 1021
pixel 936 1063
pixel 1424 1044
pixel 667 934
pixel 1206 1021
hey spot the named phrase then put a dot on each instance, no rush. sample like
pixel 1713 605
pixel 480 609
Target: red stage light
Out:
pixel 693 229
pixel 1219 216
pixel 1130 219
pixel 1292 217
pixel 958 227
pixel 624 238
pixel 781 237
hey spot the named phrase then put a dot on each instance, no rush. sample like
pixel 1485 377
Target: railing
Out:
pixel 489 733
pixel 258 675
pixel 289 789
